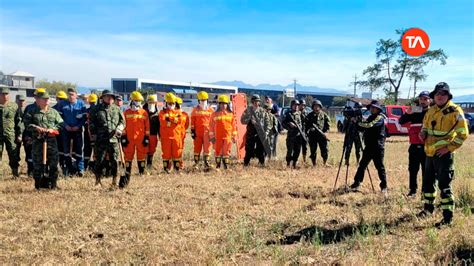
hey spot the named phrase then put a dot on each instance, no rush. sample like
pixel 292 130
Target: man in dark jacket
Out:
pixel 294 138
pixel 374 140
pixel 316 125
pixel 416 153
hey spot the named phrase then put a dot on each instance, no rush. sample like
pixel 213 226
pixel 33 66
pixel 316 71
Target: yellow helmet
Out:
pixel 223 99
pixel 202 95
pixel 136 96
pixel 40 90
pixel 92 98
pixel 61 95
pixel 179 101
pixel 170 98
pixel 151 98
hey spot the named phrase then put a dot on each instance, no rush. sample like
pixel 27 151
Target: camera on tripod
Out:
pixel 352 109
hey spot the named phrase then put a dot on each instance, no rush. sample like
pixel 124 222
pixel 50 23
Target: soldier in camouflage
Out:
pixel 106 126
pixel 258 128
pixel 44 123
pixel 294 139
pixel 316 125
pixel 272 136
pixel 10 129
pixel 304 113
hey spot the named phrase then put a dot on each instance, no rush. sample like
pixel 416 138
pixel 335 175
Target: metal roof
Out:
pixel 21 74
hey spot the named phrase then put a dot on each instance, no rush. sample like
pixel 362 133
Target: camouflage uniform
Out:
pixel 294 139
pixel 48 119
pixel 10 130
pixel 273 132
pixel 255 141
pixel 105 121
pixel 321 121
pixel 304 145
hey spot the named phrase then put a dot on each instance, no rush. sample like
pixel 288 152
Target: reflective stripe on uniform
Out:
pixel 461 130
pixel 433 132
pixel 430 195
pixel 441 143
pixel 228 117
pixel 458 141
pixel 447 207
pixel 138 116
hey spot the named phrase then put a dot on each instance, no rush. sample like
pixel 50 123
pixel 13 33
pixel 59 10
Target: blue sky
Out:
pixel 321 43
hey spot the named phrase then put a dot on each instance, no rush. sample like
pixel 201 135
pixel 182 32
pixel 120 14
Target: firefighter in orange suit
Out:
pixel 135 136
pixel 223 131
pixel 152 110
pixel 200 121
pixel 184 127
pixel 171 133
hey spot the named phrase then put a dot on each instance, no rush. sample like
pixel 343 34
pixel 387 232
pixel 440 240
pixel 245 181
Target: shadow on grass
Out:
pixel 325 236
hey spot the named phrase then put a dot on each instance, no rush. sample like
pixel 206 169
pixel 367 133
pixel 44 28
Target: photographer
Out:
pixel 374 140
pixel 416 153
pixel 351 131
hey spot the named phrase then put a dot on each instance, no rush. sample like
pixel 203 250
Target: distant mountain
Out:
pixel 464 98
pixel 300 88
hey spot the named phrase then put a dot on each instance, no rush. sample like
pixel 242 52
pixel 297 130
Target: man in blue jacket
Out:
pixel 73 112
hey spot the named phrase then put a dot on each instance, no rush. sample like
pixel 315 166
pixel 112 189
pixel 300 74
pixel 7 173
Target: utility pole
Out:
pixel 355 84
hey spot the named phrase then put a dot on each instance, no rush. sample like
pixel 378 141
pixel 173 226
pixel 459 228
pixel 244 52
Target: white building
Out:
pixel 20 83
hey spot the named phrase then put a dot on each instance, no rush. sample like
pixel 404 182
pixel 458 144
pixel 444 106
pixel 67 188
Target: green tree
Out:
pixel 339 101
pixel 54 86
pixel 393 65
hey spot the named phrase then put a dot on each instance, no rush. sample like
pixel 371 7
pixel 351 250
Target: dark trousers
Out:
pixel 293 148
pixel 87 149
pixel 28 147
pixel 77 143
pixel 323 147
pixel 416 159
pixel 254 148
pixel 375 154
pixel 441 169
pixel 39 171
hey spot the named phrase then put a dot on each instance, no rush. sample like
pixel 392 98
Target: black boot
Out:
pixel 166 166
pixel 313 160
pixel 206 161
pixel 447 219
pixel 176 165
pixel 218 162
pixel 141 167
pixel 15 172
pixel 196 159
pixel 226 163
pixel 149 161
pixel 294 164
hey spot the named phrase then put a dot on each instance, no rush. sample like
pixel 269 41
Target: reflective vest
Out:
pixel 444 127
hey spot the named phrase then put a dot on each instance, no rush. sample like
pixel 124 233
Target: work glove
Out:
pixel 124 141
pixel 53 132
pixel 146 141
pixel 193 133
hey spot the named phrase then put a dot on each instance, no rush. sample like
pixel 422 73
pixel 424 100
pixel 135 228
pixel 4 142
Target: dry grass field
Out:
pixel 241 216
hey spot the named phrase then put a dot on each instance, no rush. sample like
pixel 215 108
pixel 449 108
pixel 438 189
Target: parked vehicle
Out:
pixel 470 121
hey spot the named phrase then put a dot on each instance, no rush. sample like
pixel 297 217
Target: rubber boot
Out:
pixel 166 166
pixel 196 159
pixel 176 165
pixel 141 167
pixel 149 161
pixel 207 158
pixel 226 163
pixel 218 162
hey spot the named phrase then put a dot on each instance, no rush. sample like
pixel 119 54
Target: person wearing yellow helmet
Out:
pixel 200 123
pixel 223 131
pixel 61 95
pixel 171 122
pixel 151 108
pixel 135 137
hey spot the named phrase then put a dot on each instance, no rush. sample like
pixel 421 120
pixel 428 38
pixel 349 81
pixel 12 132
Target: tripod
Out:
pixel 349 139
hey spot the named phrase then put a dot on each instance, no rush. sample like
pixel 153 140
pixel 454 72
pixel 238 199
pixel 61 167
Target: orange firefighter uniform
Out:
pixel 171 127
pixel 223 132
pixel 137 131
pixel 200 123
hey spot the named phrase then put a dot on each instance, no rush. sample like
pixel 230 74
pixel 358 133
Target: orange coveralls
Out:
pixel 171 136
pixel 200 123
pixel 184 127
pixel 137 127
pixel 223 129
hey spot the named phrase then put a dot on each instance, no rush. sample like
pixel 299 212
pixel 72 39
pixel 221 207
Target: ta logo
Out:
pixel 415 42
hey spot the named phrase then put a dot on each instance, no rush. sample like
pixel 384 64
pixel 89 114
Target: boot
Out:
pixel 196 159
pixel 176 165
pixel 29 169
pixel 141 167
pixel 98 178
pixel 218 162
pixel 313 161
pixel 447 219
pixel 15 172
pixel 226 163
pixel 294 164
pixel 206 161
pixel 166 166
pixel 149 161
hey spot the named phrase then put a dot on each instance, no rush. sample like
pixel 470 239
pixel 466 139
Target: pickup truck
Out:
pixel 392 112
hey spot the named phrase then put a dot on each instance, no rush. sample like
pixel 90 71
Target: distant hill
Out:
pixel 300 88
pixel 464 98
